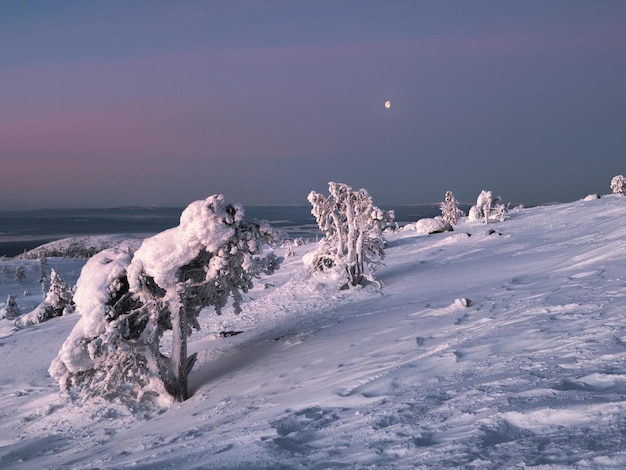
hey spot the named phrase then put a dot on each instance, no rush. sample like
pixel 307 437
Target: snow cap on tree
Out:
pixel 204 226
pixel 99 280
pixel 97 284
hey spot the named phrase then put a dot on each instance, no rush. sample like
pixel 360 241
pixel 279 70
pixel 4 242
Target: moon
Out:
pixel 387 104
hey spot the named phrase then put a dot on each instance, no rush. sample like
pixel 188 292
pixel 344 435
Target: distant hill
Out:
pixel 80 247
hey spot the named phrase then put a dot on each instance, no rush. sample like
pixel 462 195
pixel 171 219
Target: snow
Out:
pixel 91 295
pixel 428 226
pixel 91 289
pixel 530 373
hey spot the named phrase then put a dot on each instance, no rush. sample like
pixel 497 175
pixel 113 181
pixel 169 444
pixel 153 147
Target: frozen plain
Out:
pixel 532 374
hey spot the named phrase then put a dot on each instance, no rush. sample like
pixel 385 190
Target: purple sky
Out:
pixel 117 103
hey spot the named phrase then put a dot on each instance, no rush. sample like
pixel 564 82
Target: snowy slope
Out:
pixel 531 374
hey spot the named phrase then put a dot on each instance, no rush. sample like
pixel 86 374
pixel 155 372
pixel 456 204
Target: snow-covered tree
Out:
pixel 450 209
pixel 20 273
pixel 127 300
pixel 618 185
pixel 11 309
pixel 353 232
pixel 44 282
pixel 43 278
pixel 483 205
pixel 488 207
pixel 4 273
pixel 58 302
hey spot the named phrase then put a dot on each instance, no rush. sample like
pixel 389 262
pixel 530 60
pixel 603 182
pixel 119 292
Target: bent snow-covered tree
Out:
pixel 618 185
pixel 353 232
pixel 127 300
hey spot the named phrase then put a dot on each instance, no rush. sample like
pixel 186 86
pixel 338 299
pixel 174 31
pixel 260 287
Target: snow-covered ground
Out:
pixel 531 374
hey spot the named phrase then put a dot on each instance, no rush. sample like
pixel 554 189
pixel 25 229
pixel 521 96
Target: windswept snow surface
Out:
pixel 531 374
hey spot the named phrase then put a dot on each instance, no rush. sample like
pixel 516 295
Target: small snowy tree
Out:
pixel 20 273
pixel 59 294
pixel 43 281
pixel 11 309
pixel 618 185
pixel 127 300
pixel 4 273
pixel 43 278
pixel 450 210
pixel 353 232
pixel 58 302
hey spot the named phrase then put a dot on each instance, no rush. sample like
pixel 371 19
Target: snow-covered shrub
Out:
pixel 500 212
pixel 128 299
pixel 488 207
pixel 618 185
pixel 353 232
pixel 58 302
pixel 450 210
pixel 11 309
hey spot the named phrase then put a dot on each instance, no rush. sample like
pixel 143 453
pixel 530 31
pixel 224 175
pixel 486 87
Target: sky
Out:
pixel 151 102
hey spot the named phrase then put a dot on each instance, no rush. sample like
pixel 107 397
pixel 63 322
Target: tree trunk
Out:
pixel 179 361
pixel 360 265
pixel 351 255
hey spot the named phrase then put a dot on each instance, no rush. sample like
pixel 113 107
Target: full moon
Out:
pixel 387 104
